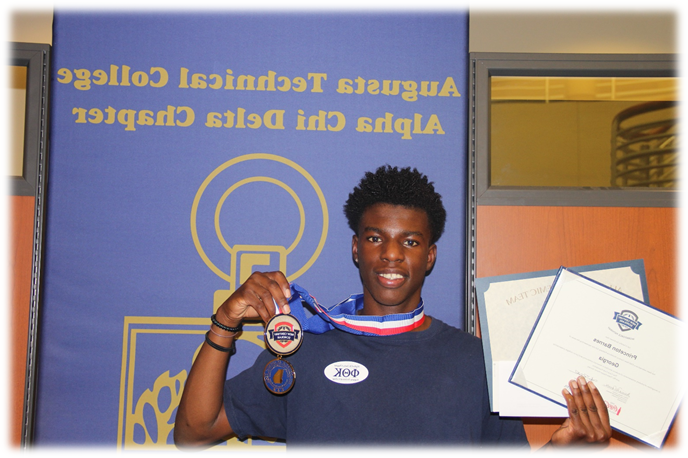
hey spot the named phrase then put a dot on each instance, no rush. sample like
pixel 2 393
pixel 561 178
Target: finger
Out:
pixel 244 304
pixel 263 302
pixel 257 296
pixel 272 293
pixel 578 412
pixel 252 299
pixel 601 408
pixel 591 406
pixel 571 406
pixel 280 290
pixel 271 289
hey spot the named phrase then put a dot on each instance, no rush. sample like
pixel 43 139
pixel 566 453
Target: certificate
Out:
pixel 627 348
pixel 508 308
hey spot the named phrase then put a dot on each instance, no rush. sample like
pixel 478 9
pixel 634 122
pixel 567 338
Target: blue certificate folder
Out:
pixel 588 328
pixel 482 285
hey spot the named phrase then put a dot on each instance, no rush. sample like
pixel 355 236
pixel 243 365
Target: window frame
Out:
pixel 33 182
pixel 485 65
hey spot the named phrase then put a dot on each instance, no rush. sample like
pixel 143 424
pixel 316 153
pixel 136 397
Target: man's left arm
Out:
pixel 588 421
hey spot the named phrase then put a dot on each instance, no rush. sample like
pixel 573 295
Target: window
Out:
pixel 29 69
pixel 569 129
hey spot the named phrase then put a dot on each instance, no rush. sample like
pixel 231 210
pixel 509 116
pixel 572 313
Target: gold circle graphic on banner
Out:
pixel 230 249
pixel 218 208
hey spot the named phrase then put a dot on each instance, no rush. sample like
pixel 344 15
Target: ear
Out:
pixel 432 257
pixel 354 249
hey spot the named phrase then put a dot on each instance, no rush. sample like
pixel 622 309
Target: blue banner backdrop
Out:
pixel 189 150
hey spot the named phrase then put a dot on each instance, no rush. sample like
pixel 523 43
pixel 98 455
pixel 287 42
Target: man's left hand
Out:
pixel 588 421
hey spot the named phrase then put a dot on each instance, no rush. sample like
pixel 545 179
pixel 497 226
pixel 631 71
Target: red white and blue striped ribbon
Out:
pixel 343 316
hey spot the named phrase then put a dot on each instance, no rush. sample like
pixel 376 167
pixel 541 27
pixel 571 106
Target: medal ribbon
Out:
pixel 343 316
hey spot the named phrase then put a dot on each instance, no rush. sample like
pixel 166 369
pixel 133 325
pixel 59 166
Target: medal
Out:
pixel 279 376
pixel 283 336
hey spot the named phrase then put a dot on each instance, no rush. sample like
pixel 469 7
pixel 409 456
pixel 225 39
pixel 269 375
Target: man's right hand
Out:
pixel 254 299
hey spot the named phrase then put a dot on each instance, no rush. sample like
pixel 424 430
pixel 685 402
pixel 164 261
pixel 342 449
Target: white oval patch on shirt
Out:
pixel 346 372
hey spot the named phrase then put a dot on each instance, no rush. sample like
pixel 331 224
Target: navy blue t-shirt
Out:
pixel 423 387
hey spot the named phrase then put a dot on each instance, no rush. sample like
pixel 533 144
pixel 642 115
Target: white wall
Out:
pixel 573 32
pixel 31 26
pixel 500 31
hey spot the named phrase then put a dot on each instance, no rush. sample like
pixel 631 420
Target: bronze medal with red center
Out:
pixel 283 336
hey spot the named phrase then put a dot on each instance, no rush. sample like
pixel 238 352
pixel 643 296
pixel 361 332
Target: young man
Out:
pixel 420 382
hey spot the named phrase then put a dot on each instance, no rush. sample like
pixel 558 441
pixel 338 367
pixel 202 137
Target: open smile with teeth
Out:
pixel 392 276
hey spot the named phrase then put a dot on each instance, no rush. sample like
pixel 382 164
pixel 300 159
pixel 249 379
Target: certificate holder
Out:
pixel 627 348
pixel 509 306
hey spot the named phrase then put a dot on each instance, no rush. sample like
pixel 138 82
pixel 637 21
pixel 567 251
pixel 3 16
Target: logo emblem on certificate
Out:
pixel 283 336
pixel 627 320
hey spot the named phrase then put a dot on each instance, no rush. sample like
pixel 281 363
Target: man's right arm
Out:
pixel 201 418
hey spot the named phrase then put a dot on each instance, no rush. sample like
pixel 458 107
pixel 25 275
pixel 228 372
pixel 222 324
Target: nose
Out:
pixel 391 252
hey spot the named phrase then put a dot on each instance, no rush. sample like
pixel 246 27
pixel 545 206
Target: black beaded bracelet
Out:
pixel 231 350
pixel 223 327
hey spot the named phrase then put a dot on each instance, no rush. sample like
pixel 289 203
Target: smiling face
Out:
pixel 393 253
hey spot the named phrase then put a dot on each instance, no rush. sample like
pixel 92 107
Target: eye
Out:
pixel 411 243
pixel 373 238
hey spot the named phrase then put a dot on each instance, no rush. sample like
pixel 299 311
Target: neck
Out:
pixel 373 308
pixel 424 326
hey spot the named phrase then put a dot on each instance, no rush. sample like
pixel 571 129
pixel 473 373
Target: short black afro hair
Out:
pixel 391 185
